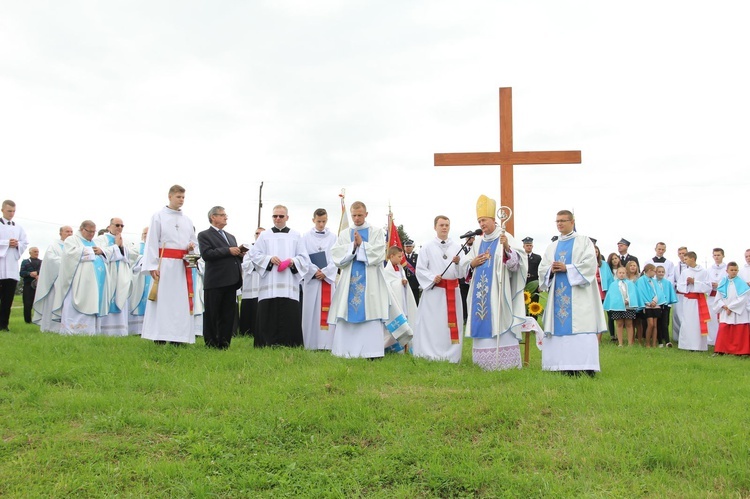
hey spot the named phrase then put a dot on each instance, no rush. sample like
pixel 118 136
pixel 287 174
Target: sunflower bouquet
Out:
pixel 535 301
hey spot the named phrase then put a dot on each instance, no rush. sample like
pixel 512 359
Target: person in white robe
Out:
pixel 498 270
pixel 140 289
pixel 744 273
pixel 171 235
pixel 402 298
pixel 119 277
pixel 716 273
pixel 280 258
pixel 82 291
pixel 677 309
pixel 659 260
pixel 733 305
pixel 438 332
pixel 45 288
pixel 13 243
pixel 319 284
pixel 693 284
pixel 360 305
pixel 574 314
pixel 250 292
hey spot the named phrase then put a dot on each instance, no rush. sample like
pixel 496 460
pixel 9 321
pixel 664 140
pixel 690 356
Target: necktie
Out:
pixel 224 235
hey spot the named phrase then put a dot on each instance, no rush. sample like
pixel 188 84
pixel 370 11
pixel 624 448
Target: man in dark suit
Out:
pixel 411 257
pixel 534 259
pixel 622 249
pixel 30 273
pixel 222 278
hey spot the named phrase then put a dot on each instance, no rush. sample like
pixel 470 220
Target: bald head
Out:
pixel 65 231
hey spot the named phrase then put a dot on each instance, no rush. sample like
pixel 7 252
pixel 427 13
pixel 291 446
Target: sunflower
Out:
pixel 535 309
pixel 526 297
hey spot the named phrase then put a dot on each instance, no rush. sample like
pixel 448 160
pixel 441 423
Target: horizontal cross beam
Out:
pixel 507 158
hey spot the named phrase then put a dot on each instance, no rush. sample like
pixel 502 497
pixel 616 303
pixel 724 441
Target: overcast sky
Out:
pixel 105 105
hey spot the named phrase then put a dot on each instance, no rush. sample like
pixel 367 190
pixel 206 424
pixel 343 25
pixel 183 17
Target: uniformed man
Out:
pixel 534 259
pixel 411 257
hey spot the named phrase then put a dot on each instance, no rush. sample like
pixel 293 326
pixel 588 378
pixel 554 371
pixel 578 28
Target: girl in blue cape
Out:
pixel 621 302
pixel 649 295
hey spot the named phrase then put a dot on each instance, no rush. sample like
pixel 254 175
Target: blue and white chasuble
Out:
pixel 358 284
pixel 113 308
pixel 563 290
pixel 100 270
pixel 481 318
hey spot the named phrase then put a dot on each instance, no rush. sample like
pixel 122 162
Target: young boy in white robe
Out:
pixel 694 284
pixel 397 280
pixel 171 235
pixel 733 304
pixel 319 284
pixel 438 333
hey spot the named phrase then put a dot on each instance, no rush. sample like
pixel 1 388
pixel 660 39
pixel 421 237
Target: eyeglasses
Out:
pixel 278 216
pixel 562 221
pixel 88 230
pixel 119 226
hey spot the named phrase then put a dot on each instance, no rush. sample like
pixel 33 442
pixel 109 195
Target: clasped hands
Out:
pixel 558 267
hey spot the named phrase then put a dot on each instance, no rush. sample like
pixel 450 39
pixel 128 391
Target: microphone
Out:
pixel 472 233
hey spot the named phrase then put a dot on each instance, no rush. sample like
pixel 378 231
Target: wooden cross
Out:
pixel 507 157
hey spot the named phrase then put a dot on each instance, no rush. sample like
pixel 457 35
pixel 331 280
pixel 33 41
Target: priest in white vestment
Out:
pixel 45 287
pixel 574 314
pixel 497 267
pixel 319 284
pixel 280 258
pixel 119 277
pixel 438 332
pixel 171 235
pixel 81 289
pixel 360 305
pixel 693 284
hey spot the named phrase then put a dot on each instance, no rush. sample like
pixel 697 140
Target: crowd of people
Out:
pixel 708 307
pixel 352 294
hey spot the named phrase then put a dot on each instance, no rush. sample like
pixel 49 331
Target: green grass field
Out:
pixel 102 417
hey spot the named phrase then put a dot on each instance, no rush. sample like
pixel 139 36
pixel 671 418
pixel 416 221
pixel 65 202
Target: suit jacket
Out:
pixel 222 268
pixel 534 261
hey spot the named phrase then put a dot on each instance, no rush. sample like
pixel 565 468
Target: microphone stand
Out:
pixel 463 246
